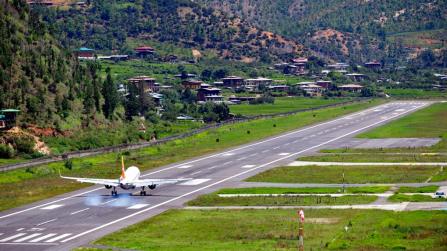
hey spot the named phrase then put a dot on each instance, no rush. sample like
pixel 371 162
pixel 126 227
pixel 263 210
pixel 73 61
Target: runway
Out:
pixel 73 219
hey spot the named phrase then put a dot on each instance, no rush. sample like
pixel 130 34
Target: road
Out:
pixel 74 219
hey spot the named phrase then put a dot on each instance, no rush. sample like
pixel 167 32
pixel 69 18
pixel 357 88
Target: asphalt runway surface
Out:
pixel 70 220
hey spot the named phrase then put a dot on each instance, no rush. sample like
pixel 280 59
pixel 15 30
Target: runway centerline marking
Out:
pixel 228 178
pixel 79 211
pixel 138 206
pixel 212 167
pixel 107 202
pixel 248 166
pixel 194 182
pixel 283 154
pixel 45 222
pixel 196 173
pixel 242 158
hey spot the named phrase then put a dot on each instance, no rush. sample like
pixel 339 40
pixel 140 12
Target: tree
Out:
pixel 110 94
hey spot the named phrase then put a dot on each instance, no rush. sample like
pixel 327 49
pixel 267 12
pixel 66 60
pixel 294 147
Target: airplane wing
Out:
pixel 149 182
pixel 108 182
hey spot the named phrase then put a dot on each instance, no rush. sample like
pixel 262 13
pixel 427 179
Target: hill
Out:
pixel 37 76
pixel 119 25
pixel 351 29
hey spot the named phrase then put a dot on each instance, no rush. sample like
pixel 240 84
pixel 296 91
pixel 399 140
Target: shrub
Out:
pixel 24 145
pixel 6 151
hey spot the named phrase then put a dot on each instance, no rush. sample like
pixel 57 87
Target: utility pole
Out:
pixel 301 230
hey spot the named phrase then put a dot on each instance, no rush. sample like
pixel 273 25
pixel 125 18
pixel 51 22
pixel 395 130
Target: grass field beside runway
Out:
pixel 424 189
pixel 283 104
pixel 430 122
pixel 23 186
pixel 278 230
pixel 352 174
pixel 302 190
pixel 211 200
pixel 414 198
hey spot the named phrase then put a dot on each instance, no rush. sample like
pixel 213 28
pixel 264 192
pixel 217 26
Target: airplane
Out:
pixel 129 179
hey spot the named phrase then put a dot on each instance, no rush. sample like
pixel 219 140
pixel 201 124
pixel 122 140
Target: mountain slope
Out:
pixel 117 25
pixel 340 28
pixel 36 75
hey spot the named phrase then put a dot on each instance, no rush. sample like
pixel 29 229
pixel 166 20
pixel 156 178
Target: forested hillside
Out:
pixel 37 76
pixel 119 25
pixel 353 29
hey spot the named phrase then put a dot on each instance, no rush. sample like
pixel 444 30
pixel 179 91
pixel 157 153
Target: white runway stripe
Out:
pixel 27 237
pixel 184 166
pixel 283 154
pixel 138 206
pixel 12 237
pixel 58 238
pixel 82 210
pixel 248 166
pixel 194 182
pixel 43 237
pixel 50 207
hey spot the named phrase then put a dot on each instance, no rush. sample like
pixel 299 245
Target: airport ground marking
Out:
pixel 231 177
pixel 45 222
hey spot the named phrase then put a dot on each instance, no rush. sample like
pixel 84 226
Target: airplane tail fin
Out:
pixel 123 172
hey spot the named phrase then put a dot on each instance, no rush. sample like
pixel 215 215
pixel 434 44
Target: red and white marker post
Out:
pixel 301 231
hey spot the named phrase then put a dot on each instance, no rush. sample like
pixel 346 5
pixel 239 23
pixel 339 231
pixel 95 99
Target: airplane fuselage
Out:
pixel 131 175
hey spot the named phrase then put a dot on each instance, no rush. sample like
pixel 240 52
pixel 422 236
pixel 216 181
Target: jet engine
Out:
pixel 108 186
pixel 152 187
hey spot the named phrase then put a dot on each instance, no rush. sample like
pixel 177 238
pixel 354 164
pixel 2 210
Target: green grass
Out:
pixel 420 38
pixel 425 189
pixel 24 186
pixel 278 230
pixel 214 200
pixel 353 174
pixel 415 93
pixel 430 122
pixel 282 104
pixel 414 198
pixel 302 190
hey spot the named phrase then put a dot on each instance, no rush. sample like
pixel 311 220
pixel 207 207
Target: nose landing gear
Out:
pixel 142 192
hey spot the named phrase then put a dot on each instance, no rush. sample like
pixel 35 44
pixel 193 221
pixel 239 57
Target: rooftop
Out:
pixel 85 49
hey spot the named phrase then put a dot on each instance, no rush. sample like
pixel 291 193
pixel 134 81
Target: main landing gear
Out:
pixel 114 192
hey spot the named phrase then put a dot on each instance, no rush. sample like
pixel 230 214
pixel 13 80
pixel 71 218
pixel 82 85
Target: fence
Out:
pixel 126 147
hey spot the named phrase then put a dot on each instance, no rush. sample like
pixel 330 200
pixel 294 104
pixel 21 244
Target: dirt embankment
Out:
pixel 9 136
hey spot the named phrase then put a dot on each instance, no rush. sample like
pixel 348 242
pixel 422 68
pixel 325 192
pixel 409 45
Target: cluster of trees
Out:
pixel 106 24
pixel 365 25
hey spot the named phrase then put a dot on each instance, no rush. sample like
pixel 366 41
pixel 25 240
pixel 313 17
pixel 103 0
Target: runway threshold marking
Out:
pixel 58 237
pixel 228 178
pixel 43 237
pixel 12 237
pixel 27 237
pixel 200 159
